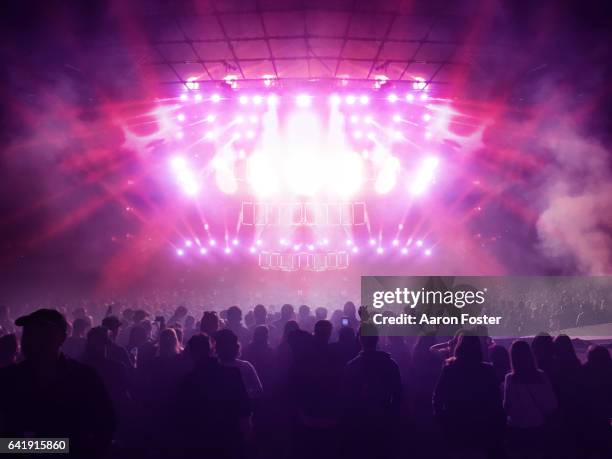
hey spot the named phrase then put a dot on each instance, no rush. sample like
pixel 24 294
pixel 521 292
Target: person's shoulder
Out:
pixel 245 364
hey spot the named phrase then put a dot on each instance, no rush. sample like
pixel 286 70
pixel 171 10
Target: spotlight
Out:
pixel 335 100
pixel 404 250
pixel 227 250
pixel 296 247
pixel 210 118
pixel 392 98
pixel 427 134
pixel 252 250
pixel 183 97
pixel 203 251
pixel 397 118
pixel 206 226
pixel 369 119
pixel 419 243
pixel 426 117
pixel 257 99
pixel 212 242
pixel 428 252
pixel 358 134
pixel 178 163
pixel 236 135
pixel 379 250
pixel 410 97
pixel 181 117
pixel 351 99
pixel 241 154
pixel 180 252
pixel 419 83
pixel 179 135
pixel 325 241
pixel 311 247
pixel 372 241
pixel 395 242
pixel 189 186
pixel 239 119
pixel 354 119
pixel 188 243
pixel 371 136
pixel 398 135
pixel 253 119
pixel 215 98
pixel 283 241
pixel 250 134
pixel 349 242
pixel 355 249
pixel 303 100
pixel 272 99
pixel 364 100
pixel 235 242
pixel 209 135
pixel 243 100
pixel 258 242
pixel 198 97
pixel 424 96
pixel 268 80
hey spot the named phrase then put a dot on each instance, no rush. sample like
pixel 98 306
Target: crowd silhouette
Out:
pixel 122 383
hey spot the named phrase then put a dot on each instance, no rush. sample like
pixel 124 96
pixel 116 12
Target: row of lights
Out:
pixel 305 100
pixel 402 248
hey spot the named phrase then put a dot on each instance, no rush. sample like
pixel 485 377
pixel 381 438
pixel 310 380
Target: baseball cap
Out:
pixel 50 317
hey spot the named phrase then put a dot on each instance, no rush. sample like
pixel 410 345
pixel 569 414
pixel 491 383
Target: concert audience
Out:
pixel 277 385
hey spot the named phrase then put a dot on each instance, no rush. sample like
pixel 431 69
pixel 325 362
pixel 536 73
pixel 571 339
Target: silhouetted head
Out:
pixel 322 331
pixel 523 363
pixel 500 358
pixel 226 345
pixel 98 340
pixel 349 309
pixel 260 314
pixel 598 358
pixel 260 335
pixel 287 312
pixel 234 315
pixel 565 353
pixel 113 324
pixel 468 350
pixel 301 344
pixel 189 322
pixel 128 315
pixel 209 323
pixel 138 336
pixel 180 312
pixel 8 349
pixel 346 335
pixel 168 342
pixel 80 326
pixel 321 313
pixel 44 332
pixel 198 347
pixel 140 315
pixel 368 337
pixel 543 350
pixel 304 311
pixel 290 326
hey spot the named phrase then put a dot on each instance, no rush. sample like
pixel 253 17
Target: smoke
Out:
pixel 576 222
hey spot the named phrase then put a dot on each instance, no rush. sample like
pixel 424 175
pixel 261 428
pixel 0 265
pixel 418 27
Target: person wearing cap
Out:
pixel 48 395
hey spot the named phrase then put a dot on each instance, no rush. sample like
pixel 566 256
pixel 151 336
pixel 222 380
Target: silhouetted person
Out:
pixel 305 319
pixel 214 405
pixel 530 402
pixel 116 352
pixel 140 347
pixel 347 347
pixel 49 395
pixel 286 314
pixel 74 346
pixel 320 313
pixel 234 323
pixel 598 384
pixel 467 401
pixel 500 359
pixel 8 350
pixel 261 355
pixel 228 349
pixel 543 351
pixel 372 391
pixel 350 312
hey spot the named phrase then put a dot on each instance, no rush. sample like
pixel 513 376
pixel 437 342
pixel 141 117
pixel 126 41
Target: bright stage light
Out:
pixel 355 249
pixel 188 243
pixel 212 242
pixel 369 119
pixel 178 162
pixel 250 134
pixel 380 250
pixel 179 135
pixel 409 97
pixel 183 97
pixel 258 242
pixel 325 241
pixel 282 241
pixel 349 242
pixel 371 136
pixel 419 243
pixel 354 119
pixel 198 97
pixel 252 250
pixel 296 247
pixel 180 252
pixel 225 178
pixel 364 100
pixel 210 118
pixel 372 241
pixel 235 242
pixel 428 252
pixel 209 135
pixel 397 135
pixel 243 100
pixel 303 100
pixel 395 242
pixel 273 100
pixel 239 119
pixel 311 247
pixel 404 250
pixel 227 250
pixel 387 176
pixel 181 117
pixel 303 173
pixel 426 117
pixel 261 174
pixel 257 99
pixel 351 99
pixel 335 100
pixel 236 135
pixel 392 98
pixel 215 98
pixel 203 251
pixel 253 119
pixel 358 134
pixel 424 96
pixel 189 185
pixel 419 83
pixel 427 134
pixel 192 83
pixel 424 175
pixel 397 118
